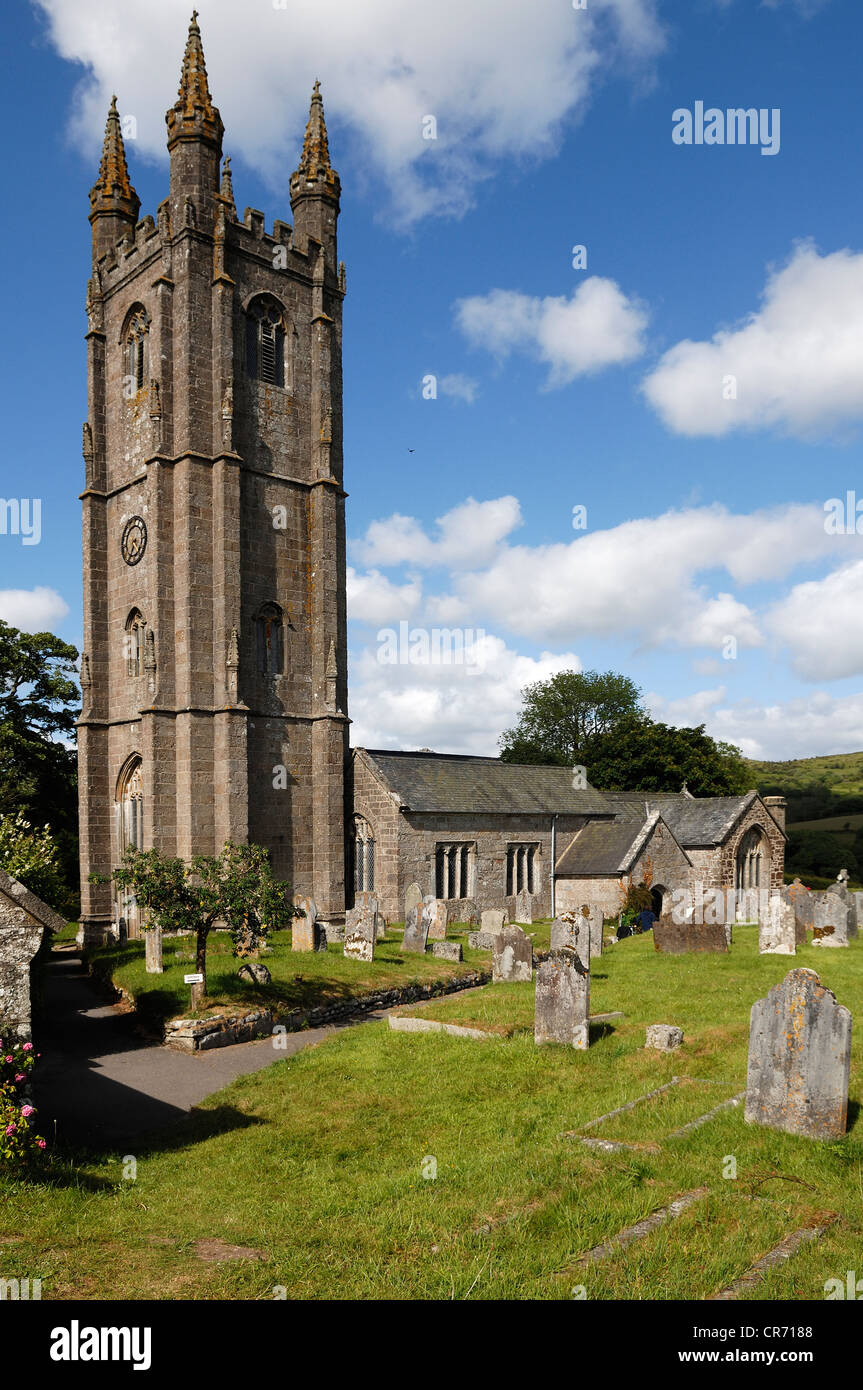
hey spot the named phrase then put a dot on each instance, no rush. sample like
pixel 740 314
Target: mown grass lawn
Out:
pixel 318 1163
pixel 301 980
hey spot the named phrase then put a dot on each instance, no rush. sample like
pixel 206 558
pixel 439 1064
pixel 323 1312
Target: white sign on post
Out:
pixel 193 979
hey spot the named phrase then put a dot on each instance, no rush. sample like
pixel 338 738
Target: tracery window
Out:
pixel 265 341
pixel 364 855
pixel 137 329
pixel 133 643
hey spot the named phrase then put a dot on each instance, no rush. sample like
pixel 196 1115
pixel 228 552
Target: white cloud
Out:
pixel 810 726
pixel 500 77
pixel 597 327
pixel 468 536
pixel 372 598
pixel 797 361
pixel 821 623
pixel 461 388
pixel 450 708
pixel 32 610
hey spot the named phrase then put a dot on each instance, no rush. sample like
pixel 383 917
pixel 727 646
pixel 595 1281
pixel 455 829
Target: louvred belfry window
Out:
pixel 265 342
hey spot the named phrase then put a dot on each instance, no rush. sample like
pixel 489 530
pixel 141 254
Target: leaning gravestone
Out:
pixel 436 911
pixel 592 915
pixel 413 897
pixel 360 937
pixel 562 1000
pixel 685 938
pixel 512 956
pixel 416 930
pixel 493 919
pixel 572 929
pixel 831 921
pixel 799 1059
pixel 777 929
pixel 153 950
pixel 306 933
pixel 524 908
pixel 367 899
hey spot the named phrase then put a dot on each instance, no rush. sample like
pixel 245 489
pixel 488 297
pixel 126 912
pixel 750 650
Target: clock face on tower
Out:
pixel 133 542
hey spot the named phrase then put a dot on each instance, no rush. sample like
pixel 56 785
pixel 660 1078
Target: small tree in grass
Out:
pixel 232 888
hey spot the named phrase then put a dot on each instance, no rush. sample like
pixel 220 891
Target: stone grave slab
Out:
pixel 360 937
pixel 436 910
pixel 413 897
pixel 493 919
pixel 512 956
pixel 777 931
pixel 563 1000
pixel 524 908
pixel 416 930
pixel 447 950
pixel 684 938
pixel 831 920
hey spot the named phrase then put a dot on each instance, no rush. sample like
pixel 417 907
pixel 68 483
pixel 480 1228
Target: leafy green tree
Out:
pixel 230 888
pixel 30 856
pixel 38 708
pixel 819 852
pixel 562 715
pixel 642 755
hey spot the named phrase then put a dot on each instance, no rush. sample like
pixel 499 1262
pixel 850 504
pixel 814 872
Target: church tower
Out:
pixel 214 668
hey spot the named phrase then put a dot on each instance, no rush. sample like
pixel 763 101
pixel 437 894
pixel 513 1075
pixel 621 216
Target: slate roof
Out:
pixel 454 783
pixel 601 847
pixel 23 898
pixel 446 782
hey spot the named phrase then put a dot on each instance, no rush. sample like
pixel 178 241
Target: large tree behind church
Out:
pixel 38 707
pixel 596 721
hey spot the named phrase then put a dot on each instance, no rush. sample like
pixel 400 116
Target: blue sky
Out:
pixel 557 387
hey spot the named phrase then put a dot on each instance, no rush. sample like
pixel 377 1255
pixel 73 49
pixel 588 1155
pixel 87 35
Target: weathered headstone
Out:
pixel 592 915
pixel 777 930
pixel 493 919
pixel 413 897
pixel 153 950
pixel 572 929
pixel 333 931
pixel 416 930
pixel 799 1059
pixel 831 920
pixel 856 915
pixel 307 934
pixel 524 908
pixel 804 910
pixel 369 900
pixel 360 937
pixel 682 938
pixel 512 956
pixel 255 971
pixel 436 910
pixel 447 950
pixel 24 919
pixel 664 1037
pixel 563 1000
pixel 481 940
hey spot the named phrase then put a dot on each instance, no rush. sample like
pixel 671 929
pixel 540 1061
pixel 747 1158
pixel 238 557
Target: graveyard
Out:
pixel 384 1164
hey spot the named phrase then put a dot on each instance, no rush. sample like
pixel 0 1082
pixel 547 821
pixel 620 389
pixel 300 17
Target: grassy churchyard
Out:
pixel 381 1164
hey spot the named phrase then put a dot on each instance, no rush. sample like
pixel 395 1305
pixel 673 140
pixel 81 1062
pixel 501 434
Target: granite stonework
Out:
pixel 413 897
pixel 591 914
pixel 153 950
pixel 436 911
pixel 481 940
pixel 307 933
pixel 663 1037
pixel 572 929
pixel 493 919
pixel 360 937
pixel 777 931
pixel 24 920
pixel 831 920
pixel 684 938
pixel 369 901
pixel 447 950
pixel 214 663
pixel 801 901
pixel 563 1000
pixel 799 1059
pixel 512 956
pixel 416 930
pixel 524 908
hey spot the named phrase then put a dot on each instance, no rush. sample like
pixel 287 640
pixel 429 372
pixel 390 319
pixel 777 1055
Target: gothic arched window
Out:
pixel 269 640
pixel 265 341
pixel 364 856
pixel 750 860
pixel 133 643
pixel 130 796
pixel 135 343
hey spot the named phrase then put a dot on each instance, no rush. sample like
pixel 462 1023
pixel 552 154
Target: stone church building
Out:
pixel 214 669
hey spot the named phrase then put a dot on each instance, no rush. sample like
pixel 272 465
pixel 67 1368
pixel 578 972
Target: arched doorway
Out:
pixel 657 899
pixel 130 815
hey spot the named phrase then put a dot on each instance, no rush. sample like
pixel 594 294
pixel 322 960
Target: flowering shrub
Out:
pixel 19 1142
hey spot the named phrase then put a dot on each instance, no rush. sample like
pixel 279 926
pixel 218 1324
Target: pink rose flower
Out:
pixel 41 1144
pixel 10 1059
pixel 10 1130
pixel 27 1111
pixel 28 1047
pixel 20 1076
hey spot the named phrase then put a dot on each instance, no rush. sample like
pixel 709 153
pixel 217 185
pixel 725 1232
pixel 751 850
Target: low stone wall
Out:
pixel 224 1030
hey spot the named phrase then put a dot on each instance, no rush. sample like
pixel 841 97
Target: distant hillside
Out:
pixel 839 773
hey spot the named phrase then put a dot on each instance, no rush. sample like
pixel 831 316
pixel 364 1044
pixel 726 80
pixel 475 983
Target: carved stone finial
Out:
pixel 86 681
pixel 232 663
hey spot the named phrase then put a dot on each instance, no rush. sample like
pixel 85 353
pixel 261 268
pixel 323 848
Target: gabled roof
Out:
pixel 23 898
pixel 691 820
pixel 603 848
pixel 450 782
